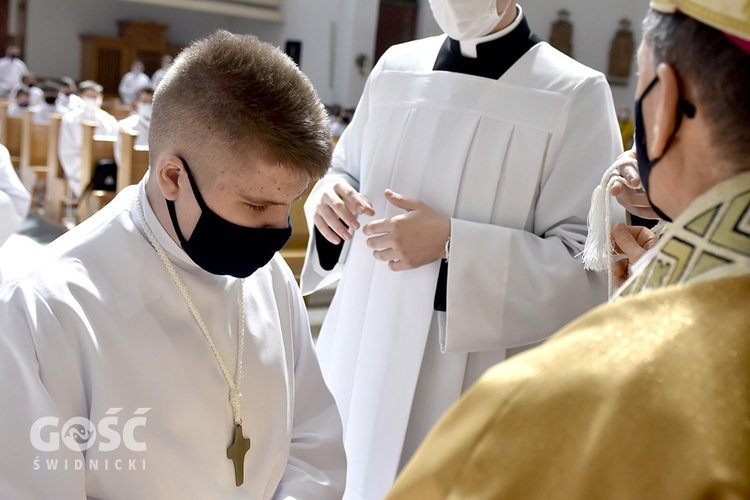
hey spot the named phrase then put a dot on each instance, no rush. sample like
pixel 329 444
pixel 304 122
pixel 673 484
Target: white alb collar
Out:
pixel 469 47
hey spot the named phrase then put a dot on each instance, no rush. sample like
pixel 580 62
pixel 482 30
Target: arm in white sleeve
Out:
pixel 69 151
pixel 35 463
pixel 346 168
pixel 509 287
pixel 316 468
pixel 14 198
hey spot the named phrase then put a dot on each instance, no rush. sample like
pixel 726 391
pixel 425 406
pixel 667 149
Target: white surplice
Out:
pixel 101 331
pixel 71 141
pixel 513 163
pixel 15 200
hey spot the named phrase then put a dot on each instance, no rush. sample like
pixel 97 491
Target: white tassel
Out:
pixel 599 248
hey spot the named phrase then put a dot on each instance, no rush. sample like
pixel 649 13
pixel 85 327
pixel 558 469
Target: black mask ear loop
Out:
pixel 198 198
pixel 684 107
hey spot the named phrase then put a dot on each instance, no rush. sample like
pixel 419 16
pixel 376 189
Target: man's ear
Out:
pixel 666 110
pixel 168 170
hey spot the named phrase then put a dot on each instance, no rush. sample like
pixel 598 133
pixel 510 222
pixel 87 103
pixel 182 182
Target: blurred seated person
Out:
pixel 139 121
pixel 166 63
pixel 19 101
pixel 49 105
pixel 134 80
pixel 36 94
pixel 67 100
pixel 71 132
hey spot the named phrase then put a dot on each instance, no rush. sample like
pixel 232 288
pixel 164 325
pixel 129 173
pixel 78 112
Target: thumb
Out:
pixel 626 242
pixel 400 201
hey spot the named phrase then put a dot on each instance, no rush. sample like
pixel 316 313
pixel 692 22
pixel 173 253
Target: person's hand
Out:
pixel 634 201
pixel 336 213
pixel 409 240
pixel 633 242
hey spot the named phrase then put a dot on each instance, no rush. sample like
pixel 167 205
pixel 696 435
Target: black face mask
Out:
pixel 50 100
pixel 222 247
pixel 645 165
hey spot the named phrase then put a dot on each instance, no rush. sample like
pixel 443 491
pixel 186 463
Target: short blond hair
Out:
pixel 234 94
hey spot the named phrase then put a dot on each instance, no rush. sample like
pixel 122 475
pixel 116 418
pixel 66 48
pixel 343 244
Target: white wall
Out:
pixel 594 25
pixel 333 33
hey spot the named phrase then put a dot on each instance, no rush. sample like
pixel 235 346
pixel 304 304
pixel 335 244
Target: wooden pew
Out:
pixel 133 160
pixel 116 108
pixel 56 186
pixel 4 103
pixel 10 135
pixel 294 251
pixel 34 159
pixel 93 149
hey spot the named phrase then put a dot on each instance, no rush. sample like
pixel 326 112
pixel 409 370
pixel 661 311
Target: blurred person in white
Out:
pixel 71 133
pixel 139 121
pixel 42 112
pixel 14 199
pixel 12 70
pixel 166 63
pixel 20 101
pixel 132 82
pixel 67 99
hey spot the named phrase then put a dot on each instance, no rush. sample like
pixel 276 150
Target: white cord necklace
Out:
pixel 240 444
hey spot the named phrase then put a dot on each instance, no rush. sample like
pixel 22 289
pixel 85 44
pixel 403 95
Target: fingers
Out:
pixel 630 173
pixel 620 270
pixel 626 243
pixel 336 213
pixel 333 234
pixel 379 227
pixel 644 236
pixel 355 202
pixel 401 201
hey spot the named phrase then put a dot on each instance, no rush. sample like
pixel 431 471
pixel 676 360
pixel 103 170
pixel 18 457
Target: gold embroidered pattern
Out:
pixel 712 236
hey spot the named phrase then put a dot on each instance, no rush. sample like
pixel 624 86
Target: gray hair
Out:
pixel 719 70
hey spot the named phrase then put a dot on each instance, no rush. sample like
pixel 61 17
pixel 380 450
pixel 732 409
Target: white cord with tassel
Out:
pixel 598 251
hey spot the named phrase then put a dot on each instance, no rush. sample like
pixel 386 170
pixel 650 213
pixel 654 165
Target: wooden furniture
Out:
pixel 93 149
pixel 106 59
pixel 295 249
pixel 133 160
pixel 34 154
pixel 56 185
pixel 4 103
pixel 10 133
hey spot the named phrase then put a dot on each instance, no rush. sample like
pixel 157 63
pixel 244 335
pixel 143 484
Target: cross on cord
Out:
pixel 237 452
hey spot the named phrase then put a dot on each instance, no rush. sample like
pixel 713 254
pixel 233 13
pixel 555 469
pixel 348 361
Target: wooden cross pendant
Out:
pixel 236 453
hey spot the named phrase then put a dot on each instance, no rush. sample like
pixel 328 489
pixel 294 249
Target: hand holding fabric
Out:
pixel 633 242
pixel 336 213
pixel 409 240
pixel 634 201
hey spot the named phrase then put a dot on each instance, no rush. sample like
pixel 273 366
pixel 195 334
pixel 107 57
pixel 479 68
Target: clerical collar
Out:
pixel 493 54
pixel 468 48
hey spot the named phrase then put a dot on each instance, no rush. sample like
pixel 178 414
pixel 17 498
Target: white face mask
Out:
pixel 92 102
pixel 467 19
pixel 144 110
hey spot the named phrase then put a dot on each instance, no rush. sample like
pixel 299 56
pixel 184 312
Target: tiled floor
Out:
pixel 22 250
